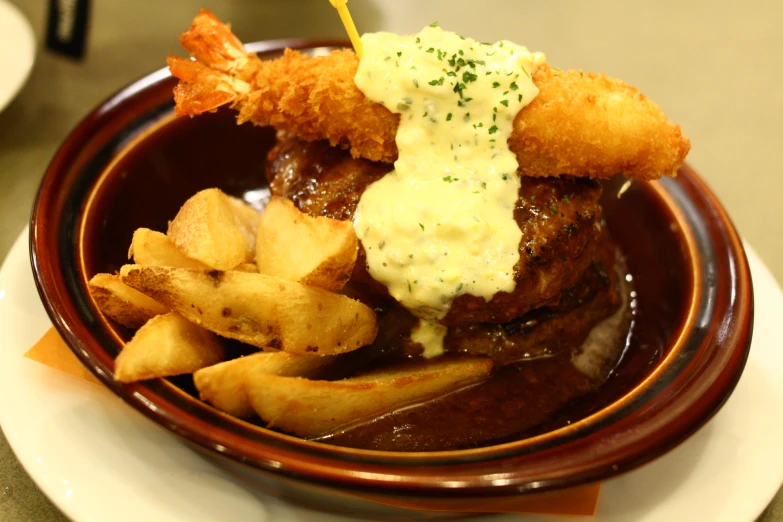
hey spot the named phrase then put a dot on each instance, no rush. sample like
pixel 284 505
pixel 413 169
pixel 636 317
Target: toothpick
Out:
pixel 350 28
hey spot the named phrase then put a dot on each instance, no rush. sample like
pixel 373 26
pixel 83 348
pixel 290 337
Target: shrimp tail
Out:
pixel 212 43
pixel 202 89
pixel 221 70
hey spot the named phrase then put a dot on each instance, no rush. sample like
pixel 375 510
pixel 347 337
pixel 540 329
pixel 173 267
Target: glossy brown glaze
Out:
pixel 690 342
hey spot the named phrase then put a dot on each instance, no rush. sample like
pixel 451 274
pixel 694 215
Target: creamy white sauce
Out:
pixel 442 223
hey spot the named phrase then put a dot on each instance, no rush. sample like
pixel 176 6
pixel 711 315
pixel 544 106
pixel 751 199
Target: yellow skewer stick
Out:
pixel 345 16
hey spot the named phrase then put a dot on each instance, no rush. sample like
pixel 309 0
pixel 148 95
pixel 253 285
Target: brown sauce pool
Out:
pixel 157 173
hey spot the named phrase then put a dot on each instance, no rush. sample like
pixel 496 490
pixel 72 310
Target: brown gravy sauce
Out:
pixel 520 400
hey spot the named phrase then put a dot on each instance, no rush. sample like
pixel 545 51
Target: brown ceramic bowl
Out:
pixel 131 164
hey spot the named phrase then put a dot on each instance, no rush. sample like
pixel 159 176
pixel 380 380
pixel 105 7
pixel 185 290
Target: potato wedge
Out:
pixel 223 385
pixel 246 267
pixel 151 248
pixel 315 408
pixel 315 251
pixel 216 229
pixel 260 310
pixel 167 345
pixel 124 304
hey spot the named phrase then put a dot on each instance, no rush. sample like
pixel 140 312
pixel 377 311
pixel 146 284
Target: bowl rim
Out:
pixel 508 468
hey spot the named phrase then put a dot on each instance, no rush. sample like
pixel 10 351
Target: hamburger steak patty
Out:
pixel 542 332
pixel 560 219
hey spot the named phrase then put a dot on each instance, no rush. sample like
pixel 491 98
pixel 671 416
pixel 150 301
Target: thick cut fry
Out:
pixel 247 267
pixel 314 408
pixel 151 248
pixel 127 306
pixel 216 229
pixel 167 345
pixel 258 309
pixel 316 251
pixel 223 385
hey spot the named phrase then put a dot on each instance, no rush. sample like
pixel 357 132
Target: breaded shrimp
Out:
pixel 580 124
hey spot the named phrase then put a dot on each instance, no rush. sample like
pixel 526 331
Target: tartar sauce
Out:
pixel 441 224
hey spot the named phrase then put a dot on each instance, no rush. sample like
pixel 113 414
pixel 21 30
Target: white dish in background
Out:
pixel 98 459
pixel 17 52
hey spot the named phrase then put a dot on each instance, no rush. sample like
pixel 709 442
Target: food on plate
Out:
pixel 260 310
pixel 152 248
pixel 580 124
pixel 167 345
pixel 313 408
pixel 250 268
pixel 223 385
pixel 290 245
pixel 127 306
pixel 216 229
pixel 434 253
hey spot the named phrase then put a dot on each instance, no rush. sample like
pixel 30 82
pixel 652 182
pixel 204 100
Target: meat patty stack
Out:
pixel 565 277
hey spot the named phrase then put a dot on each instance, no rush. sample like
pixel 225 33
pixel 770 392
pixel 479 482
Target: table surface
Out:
pixel 714 66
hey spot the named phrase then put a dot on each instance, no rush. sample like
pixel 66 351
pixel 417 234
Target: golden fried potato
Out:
pixel 315 251
pixel 260 310
pixel 314 408
pixel 216 229
pixel 151 248
pixel 246 267
pixel 167 345
pixel 223 385
pixel 127 306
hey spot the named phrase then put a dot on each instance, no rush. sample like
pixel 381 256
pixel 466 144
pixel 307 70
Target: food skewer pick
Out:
pixel 350 28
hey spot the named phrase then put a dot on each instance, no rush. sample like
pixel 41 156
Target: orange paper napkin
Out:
pixel 52 351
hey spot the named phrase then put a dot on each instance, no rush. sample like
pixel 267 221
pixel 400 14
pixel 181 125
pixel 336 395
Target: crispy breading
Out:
pixel 580 124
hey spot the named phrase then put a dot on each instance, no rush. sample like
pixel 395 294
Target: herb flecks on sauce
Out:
pixel 453 170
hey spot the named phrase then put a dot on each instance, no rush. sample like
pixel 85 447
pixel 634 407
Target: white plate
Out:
pixel 17 52
pixel 98 459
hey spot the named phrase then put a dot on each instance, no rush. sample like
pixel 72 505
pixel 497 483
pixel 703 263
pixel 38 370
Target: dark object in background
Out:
pixel 66 28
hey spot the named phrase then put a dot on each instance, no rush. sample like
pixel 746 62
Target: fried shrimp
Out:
pixel 580 124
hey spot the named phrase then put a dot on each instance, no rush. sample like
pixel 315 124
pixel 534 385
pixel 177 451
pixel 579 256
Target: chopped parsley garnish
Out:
pixel 449 179
pixel 504 103
pixel 495 85
pixel 399 53
pixel 435 24
pixel 416 83
pixel 493 129
pixel 448 118
pixel 430 50
pixel 439 81
pixel 422 226
pixel 514 86
pixel 468 77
